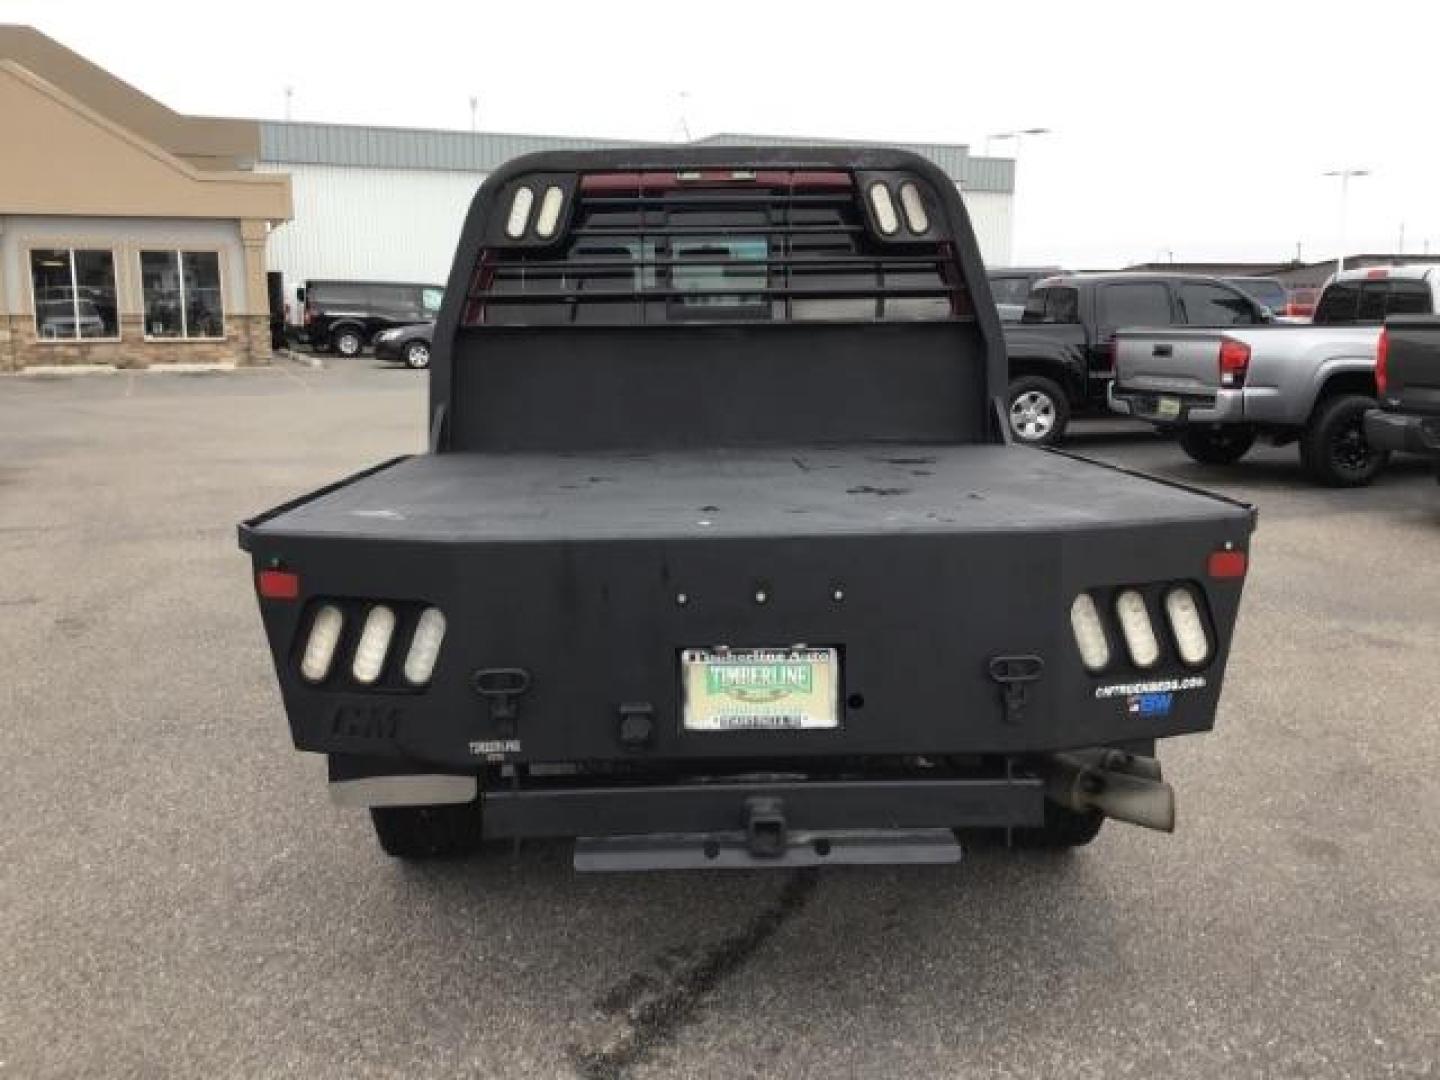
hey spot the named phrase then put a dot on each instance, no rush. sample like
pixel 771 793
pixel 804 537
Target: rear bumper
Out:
pixel 1405 432
pixel 727 807
pixel 1224 407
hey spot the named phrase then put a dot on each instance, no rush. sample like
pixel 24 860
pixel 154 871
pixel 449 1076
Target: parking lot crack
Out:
pixel 660 1005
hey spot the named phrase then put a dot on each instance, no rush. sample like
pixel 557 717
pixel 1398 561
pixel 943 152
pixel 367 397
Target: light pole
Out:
pixel 1344 175
pixel 1016 135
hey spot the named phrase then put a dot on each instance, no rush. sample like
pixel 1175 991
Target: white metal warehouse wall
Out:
pixel 990 215
pixel 354 222
pixel 402 224
pixel 388 203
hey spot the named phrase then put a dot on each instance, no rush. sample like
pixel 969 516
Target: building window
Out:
pixel 74 294
pixel 182 294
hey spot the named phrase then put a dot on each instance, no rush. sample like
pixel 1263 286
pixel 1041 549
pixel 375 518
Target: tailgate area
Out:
pixel 922 567
pixel 1185 363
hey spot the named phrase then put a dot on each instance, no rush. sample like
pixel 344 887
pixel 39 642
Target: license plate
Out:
pixel 793 689
pixel 1167 406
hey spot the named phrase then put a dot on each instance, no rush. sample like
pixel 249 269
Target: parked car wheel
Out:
pixel 347 342
pixel 1334 449
pixel 1037 410
pixel 417 355
pixel 428 832
pixel 1062 829
pixel 1217 445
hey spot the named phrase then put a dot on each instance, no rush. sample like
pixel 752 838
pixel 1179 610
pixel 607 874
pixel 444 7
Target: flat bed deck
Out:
pixel 890 489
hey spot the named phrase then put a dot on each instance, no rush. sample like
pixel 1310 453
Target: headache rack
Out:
pixel 717 246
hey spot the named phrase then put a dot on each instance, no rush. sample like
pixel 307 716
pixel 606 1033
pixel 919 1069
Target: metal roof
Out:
pixel 296 143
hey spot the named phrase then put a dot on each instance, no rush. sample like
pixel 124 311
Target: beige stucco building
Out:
pixel 129 234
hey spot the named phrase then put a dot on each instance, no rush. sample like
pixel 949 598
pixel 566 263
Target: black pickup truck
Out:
pixel 1062 357
pixel 1407 379
pixel 720 557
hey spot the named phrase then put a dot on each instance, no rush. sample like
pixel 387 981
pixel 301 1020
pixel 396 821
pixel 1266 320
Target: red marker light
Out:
pixel 1382 362
pixel 278 584
pixel 1228 564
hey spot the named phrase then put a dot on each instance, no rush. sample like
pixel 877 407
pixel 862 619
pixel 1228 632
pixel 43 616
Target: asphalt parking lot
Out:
pixel 178 898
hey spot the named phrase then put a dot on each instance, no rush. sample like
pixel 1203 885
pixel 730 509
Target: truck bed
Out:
pixel 890 489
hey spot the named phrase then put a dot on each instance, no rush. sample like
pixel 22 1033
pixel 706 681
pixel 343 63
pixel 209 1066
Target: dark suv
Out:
pixel 346 315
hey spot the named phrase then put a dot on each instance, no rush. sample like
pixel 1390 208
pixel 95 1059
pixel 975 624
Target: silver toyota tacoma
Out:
pixel 1221 389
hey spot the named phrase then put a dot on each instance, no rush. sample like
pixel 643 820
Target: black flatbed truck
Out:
pixel 720 556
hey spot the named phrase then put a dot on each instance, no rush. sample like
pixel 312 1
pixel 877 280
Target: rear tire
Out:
pixel 428 832
pixel 1062 829
pixel 347 342
pixel 1036 410
pixel 1333 448
pixel 417 355
pixel 1217 445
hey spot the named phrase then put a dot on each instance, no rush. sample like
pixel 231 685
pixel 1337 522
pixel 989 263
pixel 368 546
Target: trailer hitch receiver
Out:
pixel 766 834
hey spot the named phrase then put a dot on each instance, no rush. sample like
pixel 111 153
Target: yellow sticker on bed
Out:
pixel 760 689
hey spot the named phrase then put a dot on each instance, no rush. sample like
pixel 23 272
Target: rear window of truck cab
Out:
pixel 1371 300
pixel 761 247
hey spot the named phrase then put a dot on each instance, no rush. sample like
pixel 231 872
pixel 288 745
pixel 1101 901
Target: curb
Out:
pixel 50 371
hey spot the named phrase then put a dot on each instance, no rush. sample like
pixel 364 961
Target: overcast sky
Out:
pixel 1200 130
